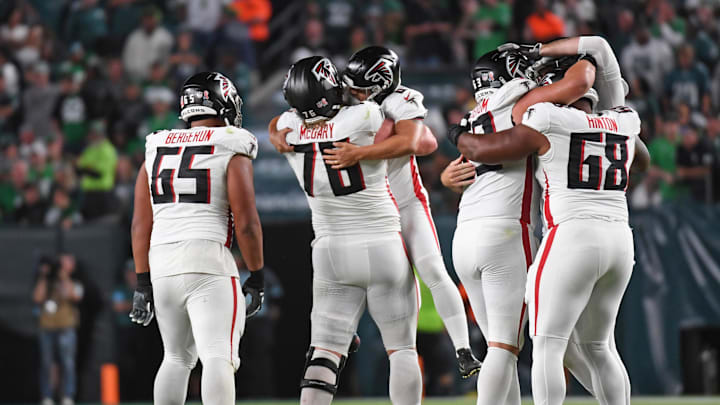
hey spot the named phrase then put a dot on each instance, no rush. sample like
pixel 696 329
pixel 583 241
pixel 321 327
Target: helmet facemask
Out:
pixel 370 92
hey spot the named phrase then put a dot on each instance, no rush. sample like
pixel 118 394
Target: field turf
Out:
pixel 471 401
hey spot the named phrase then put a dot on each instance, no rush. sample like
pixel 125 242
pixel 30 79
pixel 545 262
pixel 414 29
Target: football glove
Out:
pixel 456 130
pixel 532 52
pixel 143 309
pixel 255 287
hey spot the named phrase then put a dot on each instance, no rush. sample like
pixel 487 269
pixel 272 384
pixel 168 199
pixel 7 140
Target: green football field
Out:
pixel 471 401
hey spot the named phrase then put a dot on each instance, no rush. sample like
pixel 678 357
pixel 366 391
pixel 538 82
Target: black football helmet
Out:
pixel 374 69
pixel 550 70
pixel 496 68
pixel 313 88
pixel 210 94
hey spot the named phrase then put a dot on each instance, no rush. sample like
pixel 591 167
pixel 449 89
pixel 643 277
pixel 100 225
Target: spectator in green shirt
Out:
pixel 97 165
pixel 689 83
pixel 70 111
pixel 11 189
pixel 663 150
pixel 491 21
pixel 482 27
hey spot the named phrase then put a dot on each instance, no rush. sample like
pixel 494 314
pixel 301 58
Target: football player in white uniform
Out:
pixel 373 75
pixel 494 243
pixel 358 253
pixel 195 183
pixel 576 283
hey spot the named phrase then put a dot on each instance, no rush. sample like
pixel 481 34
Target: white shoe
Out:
pixel 67 401
pixel 47 401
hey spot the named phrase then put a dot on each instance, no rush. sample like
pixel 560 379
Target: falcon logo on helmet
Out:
pixel 380 73
pixel 513 65
pixel 225 86
pixel 324 70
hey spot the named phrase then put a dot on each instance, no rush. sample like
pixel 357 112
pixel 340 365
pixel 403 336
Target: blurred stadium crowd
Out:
pixel 83 81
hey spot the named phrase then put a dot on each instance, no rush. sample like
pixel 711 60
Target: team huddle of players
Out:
pixel 549 137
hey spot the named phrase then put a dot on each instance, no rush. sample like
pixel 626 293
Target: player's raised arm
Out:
pixel 140 231
pixel 576 82
pixel 609 84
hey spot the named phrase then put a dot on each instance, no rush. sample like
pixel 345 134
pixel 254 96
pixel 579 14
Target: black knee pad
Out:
pixel 321 362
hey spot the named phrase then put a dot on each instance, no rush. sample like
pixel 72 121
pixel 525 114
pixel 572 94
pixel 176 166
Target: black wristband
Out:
pixel 454 133
pixel 590 59
pixel 143 279
pixel 256 279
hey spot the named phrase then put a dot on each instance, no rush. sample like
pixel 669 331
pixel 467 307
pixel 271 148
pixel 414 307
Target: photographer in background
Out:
pixel 57 294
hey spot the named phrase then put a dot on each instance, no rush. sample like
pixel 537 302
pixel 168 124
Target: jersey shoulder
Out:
pixel 404 104
pixel 540 116
pixel 366 115
pixel 289 119
pixel 510 93
pixel 237 140
pixel 155 138
pixel 628 119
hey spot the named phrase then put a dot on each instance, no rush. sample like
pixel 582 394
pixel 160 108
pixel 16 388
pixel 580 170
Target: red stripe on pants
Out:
pixel 232 327
pixel 528 261
pixel 541 265
pixel 418 189
pixel 524 222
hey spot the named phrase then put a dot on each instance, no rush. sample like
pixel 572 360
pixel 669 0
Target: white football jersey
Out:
pixel 187 172
pixel 355 200
pixel 584 174
pixel 405 182
pixel 506 191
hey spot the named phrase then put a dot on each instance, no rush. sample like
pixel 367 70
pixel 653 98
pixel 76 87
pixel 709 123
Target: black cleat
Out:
pixel 467 363
pixel 355 344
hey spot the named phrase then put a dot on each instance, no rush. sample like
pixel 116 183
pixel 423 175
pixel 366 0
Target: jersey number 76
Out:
pixel 339 187
pixel 185 171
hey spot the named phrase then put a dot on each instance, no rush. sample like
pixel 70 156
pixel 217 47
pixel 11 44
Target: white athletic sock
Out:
pixel 313 396
pixel 495 376
pixel 608 373
pixel 548 376
pixel 171 383
pixel 626 377
pixel 218 382
pixel 514 397
pixel 446 296
pixel 405 378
